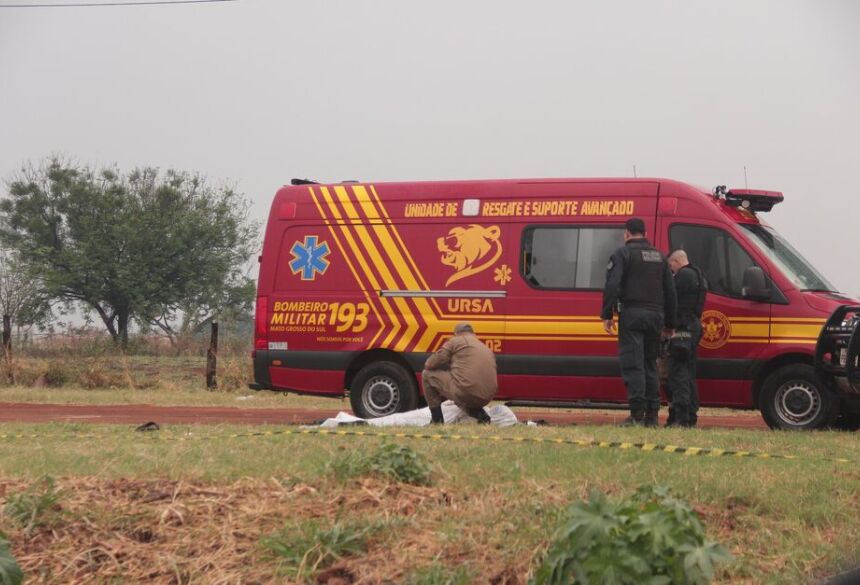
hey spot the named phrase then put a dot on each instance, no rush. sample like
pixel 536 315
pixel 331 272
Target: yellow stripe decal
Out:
pixel 351 268
pixel 356 250
pixel 381 265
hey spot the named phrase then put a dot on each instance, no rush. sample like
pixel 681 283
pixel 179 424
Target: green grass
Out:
pixel 785 521
pixel 304 548
pixel 34 506
pixel 440 574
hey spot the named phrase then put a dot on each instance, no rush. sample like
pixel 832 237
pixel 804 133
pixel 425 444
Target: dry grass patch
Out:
pixel 159 531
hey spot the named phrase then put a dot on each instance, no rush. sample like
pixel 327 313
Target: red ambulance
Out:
pixel 359 282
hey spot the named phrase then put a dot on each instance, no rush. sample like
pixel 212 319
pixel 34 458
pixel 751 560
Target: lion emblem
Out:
pixel 470 250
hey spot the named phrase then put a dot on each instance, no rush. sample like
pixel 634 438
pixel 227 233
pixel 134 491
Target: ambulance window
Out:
pixel 568 257
pixel 595 248
pixel 718 254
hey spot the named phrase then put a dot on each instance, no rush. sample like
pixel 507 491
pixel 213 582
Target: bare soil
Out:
pixel 140 413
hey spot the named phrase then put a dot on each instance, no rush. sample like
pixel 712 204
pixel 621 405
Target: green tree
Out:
pixel 232 302
pixel 22 293
pixel 137 245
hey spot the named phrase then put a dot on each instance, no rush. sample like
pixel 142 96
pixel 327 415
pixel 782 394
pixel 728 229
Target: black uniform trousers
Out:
pixel 682 388
pixel 639 332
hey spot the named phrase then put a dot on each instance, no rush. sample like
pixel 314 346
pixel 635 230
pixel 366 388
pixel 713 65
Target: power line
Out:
pixel 93 4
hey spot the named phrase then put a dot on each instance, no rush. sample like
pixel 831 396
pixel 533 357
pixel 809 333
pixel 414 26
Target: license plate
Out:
pixel 843 356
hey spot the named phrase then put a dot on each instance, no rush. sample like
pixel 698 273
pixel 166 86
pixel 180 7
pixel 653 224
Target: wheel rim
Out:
pixel 797 403
pixel 380 396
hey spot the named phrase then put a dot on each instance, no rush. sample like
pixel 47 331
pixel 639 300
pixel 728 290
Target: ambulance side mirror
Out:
pixel 755 286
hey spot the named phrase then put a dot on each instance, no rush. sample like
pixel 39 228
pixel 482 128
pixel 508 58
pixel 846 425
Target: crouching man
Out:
pixel 463 370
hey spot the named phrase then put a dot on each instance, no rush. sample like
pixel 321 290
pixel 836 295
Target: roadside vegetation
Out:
pixel 190 501
pixel 168 380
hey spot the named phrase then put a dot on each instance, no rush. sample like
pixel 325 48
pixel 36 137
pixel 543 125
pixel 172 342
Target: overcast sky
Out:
pixel 259 91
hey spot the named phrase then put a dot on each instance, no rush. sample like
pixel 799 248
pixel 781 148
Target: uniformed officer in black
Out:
pixel 691 288
pixel 639 288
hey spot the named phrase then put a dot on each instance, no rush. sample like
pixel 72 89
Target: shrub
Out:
pixel 57 374
pixel 390 461
pixel 308 547
pixel 35 506
pixel 234 373
pixel 651 538
pixel 95 374
pixel 10 571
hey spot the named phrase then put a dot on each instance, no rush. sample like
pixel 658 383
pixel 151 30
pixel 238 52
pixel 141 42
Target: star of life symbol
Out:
pixel 502 274
pixel 309 258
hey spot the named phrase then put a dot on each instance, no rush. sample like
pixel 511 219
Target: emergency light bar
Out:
pixel 753 199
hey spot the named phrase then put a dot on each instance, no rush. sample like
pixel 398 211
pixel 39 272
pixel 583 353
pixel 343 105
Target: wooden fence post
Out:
pixel 212 359
pixel 7 348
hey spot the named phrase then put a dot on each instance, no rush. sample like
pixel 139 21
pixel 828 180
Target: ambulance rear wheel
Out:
pixel 795 398
pixel 382 388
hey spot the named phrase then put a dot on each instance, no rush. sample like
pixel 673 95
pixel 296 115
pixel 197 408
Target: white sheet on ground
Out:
pixel 500 415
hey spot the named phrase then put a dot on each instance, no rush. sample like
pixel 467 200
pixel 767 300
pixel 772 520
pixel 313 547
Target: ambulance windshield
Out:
pixel 789 261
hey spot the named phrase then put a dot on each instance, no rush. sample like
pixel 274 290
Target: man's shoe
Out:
pixel 436 417
pixel 650 419
pixel 480 414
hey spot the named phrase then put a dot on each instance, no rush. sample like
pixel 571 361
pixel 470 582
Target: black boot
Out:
pixel 480 414
pixel 636 418
pixel 692 420
pixel 650 419
pixel 677 417
pixel 436 417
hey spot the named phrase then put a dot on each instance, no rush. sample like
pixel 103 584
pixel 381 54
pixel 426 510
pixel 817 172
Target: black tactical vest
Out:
pixel 643 279
pixel 691 304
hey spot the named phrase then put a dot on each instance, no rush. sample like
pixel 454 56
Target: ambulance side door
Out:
pixel 555 347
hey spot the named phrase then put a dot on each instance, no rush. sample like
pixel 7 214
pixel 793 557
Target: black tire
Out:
pixel 383 388
pixel 795 398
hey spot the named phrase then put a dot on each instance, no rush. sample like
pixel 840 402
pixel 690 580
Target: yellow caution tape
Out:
pixel 651 447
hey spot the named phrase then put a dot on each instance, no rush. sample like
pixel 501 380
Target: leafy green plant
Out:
pixel 401 463
pixel 307 547
pixel 653 538
pixel 439 574
pixel 10 571
pixel 34 506
pixel 396 462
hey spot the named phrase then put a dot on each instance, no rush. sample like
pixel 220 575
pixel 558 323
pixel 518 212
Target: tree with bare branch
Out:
pixel 130 246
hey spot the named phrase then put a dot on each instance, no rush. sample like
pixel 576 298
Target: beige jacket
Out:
pixel 471 363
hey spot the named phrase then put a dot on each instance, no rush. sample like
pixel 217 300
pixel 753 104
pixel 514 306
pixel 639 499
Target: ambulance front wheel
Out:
pixel 382 388
pixel 795 398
